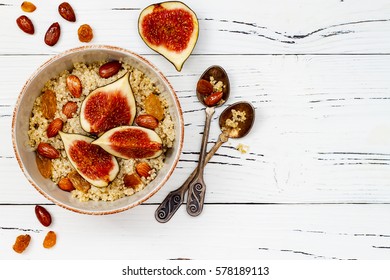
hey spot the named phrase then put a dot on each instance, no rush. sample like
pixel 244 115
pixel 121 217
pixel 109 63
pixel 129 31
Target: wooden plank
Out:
pixel 255 27
pixel 221 232
pixel 322 133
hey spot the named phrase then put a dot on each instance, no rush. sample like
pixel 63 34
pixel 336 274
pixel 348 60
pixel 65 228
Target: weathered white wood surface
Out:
pixel 316 181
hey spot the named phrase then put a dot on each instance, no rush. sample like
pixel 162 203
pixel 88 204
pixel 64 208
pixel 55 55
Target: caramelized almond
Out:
pixel 48 151
pixel 28 7
pixel 53 34
pixel 43 215
pixel 25 24
pixel 73 84
pixel 143 169
pixel 204 87
pixel 109 69
pixel 67 12
pixel 69 109
pixel 66 184
pixel 54 127
pixel 147 121
pixel 213 98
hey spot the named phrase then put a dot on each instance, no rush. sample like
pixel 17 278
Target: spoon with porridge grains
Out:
pixel 212 90
pixel 235 122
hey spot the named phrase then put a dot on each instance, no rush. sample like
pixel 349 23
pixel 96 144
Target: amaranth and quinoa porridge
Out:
pixel 61 167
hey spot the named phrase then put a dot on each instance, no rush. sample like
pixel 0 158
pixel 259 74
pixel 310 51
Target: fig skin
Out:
pixel 93 163
pixel 98 119
pixel 176 58
pixel 137 142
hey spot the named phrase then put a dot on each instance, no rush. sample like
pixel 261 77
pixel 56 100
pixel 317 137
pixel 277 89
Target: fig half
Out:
pixel 131 142
pixel 92 162
pixel 171 29
pixel 109 106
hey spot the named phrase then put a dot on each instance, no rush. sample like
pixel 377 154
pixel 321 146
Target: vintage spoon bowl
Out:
pixel 175 198
pixel 219 74
pixel 243 127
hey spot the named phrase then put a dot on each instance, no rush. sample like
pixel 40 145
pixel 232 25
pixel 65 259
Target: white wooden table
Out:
pixel 315 183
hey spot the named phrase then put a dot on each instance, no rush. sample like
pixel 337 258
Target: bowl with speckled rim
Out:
pixel 22 112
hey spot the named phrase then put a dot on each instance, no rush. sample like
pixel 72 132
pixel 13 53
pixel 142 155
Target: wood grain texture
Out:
pixel 258 232
pixel 266 27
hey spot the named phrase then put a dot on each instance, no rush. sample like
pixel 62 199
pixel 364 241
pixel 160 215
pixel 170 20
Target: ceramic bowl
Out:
pixel 20 125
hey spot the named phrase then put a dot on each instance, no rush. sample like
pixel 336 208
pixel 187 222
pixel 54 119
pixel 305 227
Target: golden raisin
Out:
pixel 85 33
pixel 28 7
pixel 21 243
pixel 79 183
pixel 48 104
pixel 44 165
pixel 50 240
pixel 131 180
pixel 154 107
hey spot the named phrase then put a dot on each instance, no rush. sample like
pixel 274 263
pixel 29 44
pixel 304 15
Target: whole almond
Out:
pixel 143 169
pixel 54 127
pixel 66 184
pixel 147 121
pixel 28 7
pixel 25 24
pixel 67 12
pixel 204 87
pixel 48 151
pixel 109 69
pixel 213 98
pixel 53 34
pixel 69 109
pixel 73 84
pixel 43 215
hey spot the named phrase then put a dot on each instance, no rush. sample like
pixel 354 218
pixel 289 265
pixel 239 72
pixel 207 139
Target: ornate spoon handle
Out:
pixel 197 188
pixel 175 198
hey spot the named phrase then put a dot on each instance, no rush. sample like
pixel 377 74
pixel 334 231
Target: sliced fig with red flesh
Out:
pixel 109 106
pixel 170 28
pixel 131 142
pixel 92 162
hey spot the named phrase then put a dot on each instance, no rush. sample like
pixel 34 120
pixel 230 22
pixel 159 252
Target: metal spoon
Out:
pixel 197 187
pixel 175 198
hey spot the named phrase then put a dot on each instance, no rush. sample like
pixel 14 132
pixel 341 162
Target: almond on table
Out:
pixel 25 24
pixel 67 12
pixel 53 34
pixel 43 215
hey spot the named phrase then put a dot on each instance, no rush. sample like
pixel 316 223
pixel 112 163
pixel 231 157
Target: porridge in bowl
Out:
pixel 75 120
